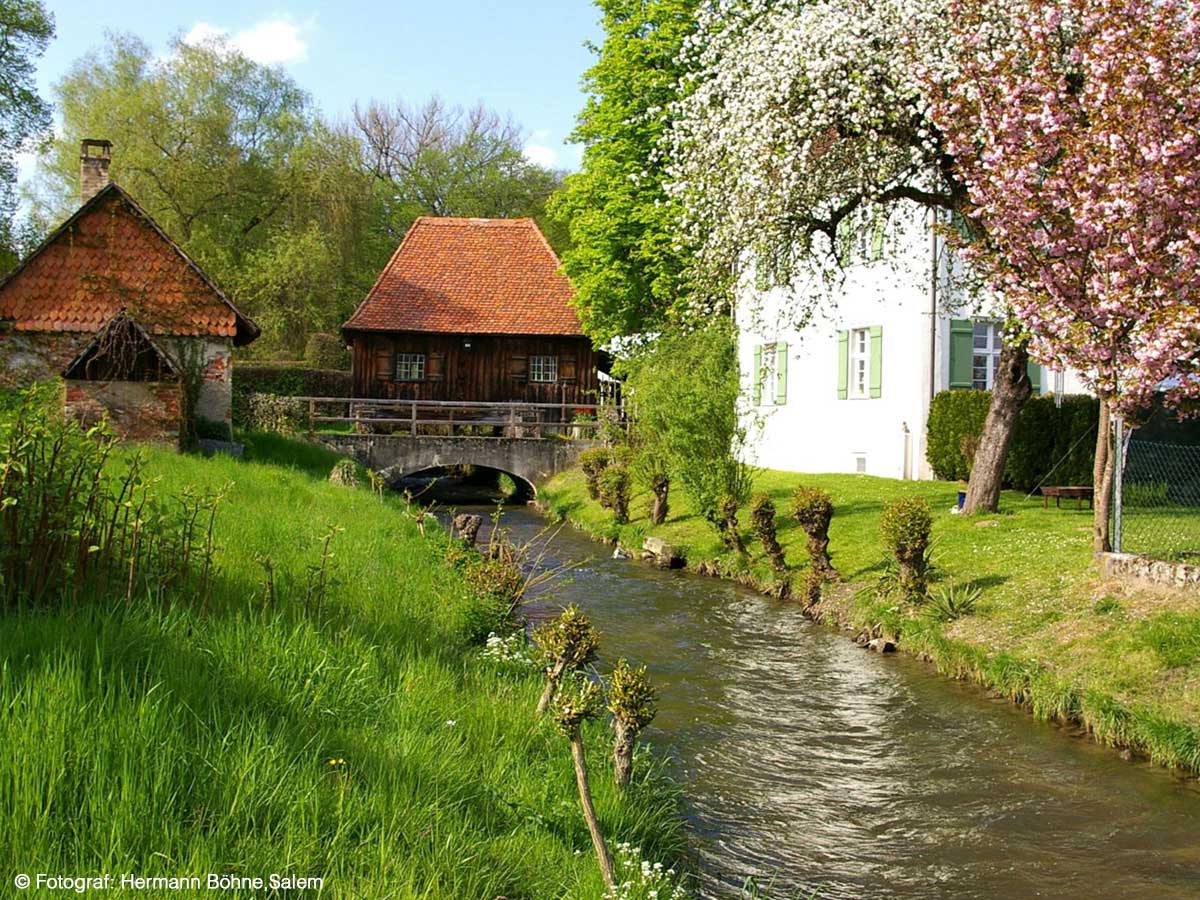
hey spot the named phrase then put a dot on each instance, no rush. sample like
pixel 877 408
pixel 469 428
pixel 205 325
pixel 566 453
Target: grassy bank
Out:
pixel 366 742
pixel 1046 631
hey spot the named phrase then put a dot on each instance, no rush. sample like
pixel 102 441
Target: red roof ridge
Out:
pixel 246 327
pixel 448 275
pixel 473 221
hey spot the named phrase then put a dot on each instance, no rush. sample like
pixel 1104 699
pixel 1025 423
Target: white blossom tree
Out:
pixel 802 116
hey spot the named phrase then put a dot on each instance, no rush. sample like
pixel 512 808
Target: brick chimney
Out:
pixel 94 157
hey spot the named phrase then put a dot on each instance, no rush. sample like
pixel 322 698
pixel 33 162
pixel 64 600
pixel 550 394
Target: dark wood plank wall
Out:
pixel 492 369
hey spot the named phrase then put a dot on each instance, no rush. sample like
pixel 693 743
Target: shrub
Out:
pixel 906 526
pixel 631 700
pixel 285 380
pixel 76 524
pixel 1050 442
pixel 326 351
pixel 614 491
pixel 953 603
pixel 762 520
pixel 593 462
pixel 212 430
pixel 279 415
pixel 727 521
pixel 345 473
pixel 568 642
pixel 812 508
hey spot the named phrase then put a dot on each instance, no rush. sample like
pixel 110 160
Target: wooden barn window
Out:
pixel 410 366
pixel 543 368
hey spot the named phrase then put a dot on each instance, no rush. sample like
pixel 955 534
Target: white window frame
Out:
pixel 859 376
pixel 990 352
pixel 410 366
pixel 543 369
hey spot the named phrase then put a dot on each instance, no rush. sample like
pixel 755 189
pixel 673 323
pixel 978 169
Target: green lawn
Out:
pixel 1047 629
pixel 368 744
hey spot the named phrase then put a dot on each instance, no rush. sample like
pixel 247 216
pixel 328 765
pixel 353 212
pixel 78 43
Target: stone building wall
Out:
pixel 143 411
pixel 27 357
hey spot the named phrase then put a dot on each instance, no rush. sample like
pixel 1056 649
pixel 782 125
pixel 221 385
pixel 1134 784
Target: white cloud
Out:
pixel 541 155
pixel 538 151
pixel 269 42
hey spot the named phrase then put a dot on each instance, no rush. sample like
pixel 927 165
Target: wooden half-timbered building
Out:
pixel 472 310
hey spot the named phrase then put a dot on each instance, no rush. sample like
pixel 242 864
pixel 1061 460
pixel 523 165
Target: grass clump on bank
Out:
pixel 366 739
pixel 1015 602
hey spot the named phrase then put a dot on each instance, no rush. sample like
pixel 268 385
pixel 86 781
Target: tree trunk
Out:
pixel 661 485
pixel 1010 390
pixel 552 678
pixel 1102 478
pixel 589 812
pixel 623 745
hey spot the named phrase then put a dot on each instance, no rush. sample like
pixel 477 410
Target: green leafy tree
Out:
pixel 625 260
pixel 25 30
pixel 683 389
pixel 231 159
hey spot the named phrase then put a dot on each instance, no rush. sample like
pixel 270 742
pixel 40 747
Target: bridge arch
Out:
pixel 394 456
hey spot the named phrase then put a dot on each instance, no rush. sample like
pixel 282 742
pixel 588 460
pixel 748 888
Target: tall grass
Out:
pixel 363 740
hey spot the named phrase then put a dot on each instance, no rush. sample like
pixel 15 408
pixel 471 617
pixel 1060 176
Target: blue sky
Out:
pixel 523 57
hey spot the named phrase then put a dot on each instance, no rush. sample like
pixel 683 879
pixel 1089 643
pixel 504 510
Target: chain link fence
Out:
pixel 1159 500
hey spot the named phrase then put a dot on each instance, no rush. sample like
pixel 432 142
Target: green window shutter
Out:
pixel 878 231
pixel 876 361
pixel 1035 377
pixel 781 373
pixel 756 376
pixel 843 379
pixel 961 351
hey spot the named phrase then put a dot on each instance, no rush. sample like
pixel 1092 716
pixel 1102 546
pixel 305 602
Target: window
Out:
pixel 770 376
pixel 986 341
pixel 410 366
pixel 543 368
pixel 860 362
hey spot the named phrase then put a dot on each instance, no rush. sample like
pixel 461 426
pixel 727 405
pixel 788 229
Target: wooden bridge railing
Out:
pixel 452 418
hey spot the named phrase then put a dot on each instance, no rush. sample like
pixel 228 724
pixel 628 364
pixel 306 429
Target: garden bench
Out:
pixel 1078 493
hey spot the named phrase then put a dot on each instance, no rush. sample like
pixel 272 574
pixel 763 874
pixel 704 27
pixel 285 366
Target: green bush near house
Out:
pixel 326 351
pixel 284 380
pixel 1051 442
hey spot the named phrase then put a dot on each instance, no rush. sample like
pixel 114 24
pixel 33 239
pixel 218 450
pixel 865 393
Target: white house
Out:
pixel 851 391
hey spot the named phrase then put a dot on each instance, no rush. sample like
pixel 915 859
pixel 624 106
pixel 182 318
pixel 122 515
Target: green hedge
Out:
pixel 286 380
pixel 1046 434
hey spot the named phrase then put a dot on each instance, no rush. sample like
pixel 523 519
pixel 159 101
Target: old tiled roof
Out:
pixel 108 257
pixel 474 276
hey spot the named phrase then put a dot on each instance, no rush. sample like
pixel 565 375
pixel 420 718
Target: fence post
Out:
pixel 312 412
pixel 414 418
pixel 512 419
pixel 1118 483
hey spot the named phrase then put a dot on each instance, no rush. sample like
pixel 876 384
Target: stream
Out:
pixel 820 769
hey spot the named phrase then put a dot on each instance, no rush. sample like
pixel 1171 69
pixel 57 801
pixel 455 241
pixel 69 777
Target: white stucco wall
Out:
pixel 817 431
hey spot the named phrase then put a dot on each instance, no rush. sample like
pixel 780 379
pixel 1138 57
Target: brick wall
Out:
pixel 147 411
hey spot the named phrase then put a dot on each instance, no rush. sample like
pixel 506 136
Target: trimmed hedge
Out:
pixel 1046 434
pixel 285 380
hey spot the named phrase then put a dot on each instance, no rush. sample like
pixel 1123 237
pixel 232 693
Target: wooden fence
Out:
pixel 452 418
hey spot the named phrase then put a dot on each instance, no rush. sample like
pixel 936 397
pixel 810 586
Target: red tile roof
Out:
pixel 471 276
pixel 108 257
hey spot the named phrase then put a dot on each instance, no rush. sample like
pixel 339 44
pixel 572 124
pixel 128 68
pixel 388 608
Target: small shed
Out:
pixel 472 310
pixel 113 306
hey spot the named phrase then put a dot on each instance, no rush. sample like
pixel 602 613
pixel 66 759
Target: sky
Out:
pixel 523 57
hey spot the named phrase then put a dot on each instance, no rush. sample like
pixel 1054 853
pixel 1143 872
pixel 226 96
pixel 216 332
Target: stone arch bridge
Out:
pixel 393 456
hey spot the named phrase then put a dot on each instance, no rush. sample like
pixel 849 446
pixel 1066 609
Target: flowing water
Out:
pixel 812 765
